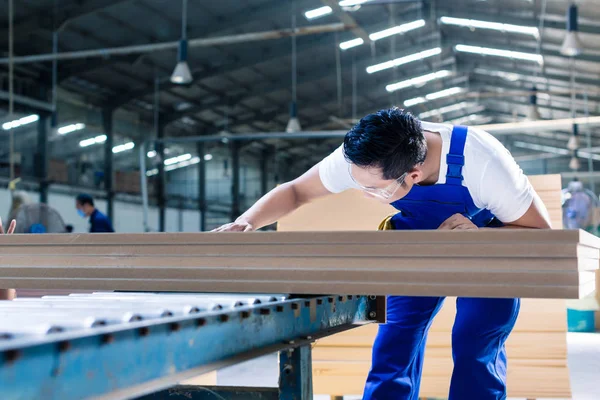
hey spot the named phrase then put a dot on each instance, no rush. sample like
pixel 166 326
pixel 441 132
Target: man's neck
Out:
pixel 431 166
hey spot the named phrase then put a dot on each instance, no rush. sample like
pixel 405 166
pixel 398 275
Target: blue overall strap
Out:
pixel 455 157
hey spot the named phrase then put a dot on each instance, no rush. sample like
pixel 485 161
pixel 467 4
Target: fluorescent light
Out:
pixel 151 154
pixel 63 130
pixel 20 122
pixel 182 164
pixel 351 43
pixel 208 157
pixel 95 140
pixel 470 118
pixel 152 172
pixel 397 30
pixel 433 96
pixel 175 160
pixel 418 80
pixel 318 12
pixel 447 109
pixel 444 93
pixel 415 101
pixel 509 76
pixel 123 147
pixel 383 34
pixel 474 23
pixel 500 53
pixel 404 60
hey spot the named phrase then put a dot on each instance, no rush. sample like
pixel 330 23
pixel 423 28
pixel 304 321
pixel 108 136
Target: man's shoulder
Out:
pixel 481 143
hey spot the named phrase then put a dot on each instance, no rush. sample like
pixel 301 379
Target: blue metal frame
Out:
pixel 111 360
pixel 295 374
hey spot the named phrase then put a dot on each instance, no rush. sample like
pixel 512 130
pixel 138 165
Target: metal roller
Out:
pixel 146 310
pixel 203 304
pixel 108 316
pixel 15 331
pixel 263 298
pixel 11 323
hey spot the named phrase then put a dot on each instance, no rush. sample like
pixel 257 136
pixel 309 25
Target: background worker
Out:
pixel 84 203
pixel 438 177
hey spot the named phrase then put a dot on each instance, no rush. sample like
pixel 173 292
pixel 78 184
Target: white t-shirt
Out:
pixel 492 176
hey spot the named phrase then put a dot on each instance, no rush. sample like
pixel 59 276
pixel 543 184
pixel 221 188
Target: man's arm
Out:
pixel 279 202
pixel 535 217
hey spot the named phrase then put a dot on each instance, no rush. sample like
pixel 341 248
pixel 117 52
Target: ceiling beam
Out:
pixel 347 19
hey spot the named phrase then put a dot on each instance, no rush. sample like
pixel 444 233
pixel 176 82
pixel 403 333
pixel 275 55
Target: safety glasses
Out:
pixel 385 193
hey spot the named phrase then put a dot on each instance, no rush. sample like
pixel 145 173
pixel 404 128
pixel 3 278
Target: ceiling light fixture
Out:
pixel 351 43
pixel 396 30
pixel 517 55
pixel 123 147
pixel 95 140
pixel 572 46
pixel 182 74
pixel 419 80
pixel 474 23
pixel 20 122
pixel 533 114
pixel 445 110
pixel 64 130
pixel 433 96
pixel 175 160
pixel 318 12
pixel 404 60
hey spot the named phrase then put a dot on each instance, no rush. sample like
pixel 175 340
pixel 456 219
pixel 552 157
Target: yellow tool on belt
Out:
pixel 386 224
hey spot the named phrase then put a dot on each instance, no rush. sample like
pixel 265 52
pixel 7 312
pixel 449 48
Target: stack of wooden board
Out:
pixel 536 350
pixel 518 263
pixel 537 347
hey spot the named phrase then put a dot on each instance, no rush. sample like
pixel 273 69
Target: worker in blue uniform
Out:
pixel 438 177
pixel 84 203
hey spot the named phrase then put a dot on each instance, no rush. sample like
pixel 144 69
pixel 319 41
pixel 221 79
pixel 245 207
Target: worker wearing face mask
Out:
pixel 84 203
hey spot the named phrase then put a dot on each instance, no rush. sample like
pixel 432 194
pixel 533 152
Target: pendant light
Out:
pixel 182 74
pixel 572 46
pixel 533 113
pixel 574 142
pixel 293 124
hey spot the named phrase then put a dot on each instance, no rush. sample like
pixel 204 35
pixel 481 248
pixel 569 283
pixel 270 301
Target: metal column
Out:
pixel 161 182
pixel 107 124
pixel 202 186
pixel 295 374
pixel 235 180
pixel 41 159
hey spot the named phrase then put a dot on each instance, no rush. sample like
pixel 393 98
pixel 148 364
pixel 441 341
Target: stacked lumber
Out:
pixel 518 263
pixel 537 348
pixel 537 354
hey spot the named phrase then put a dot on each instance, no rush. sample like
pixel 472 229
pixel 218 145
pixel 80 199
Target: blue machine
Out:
pixel 120 345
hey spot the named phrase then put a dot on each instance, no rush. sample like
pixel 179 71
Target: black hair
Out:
pixel 390 139
pixel 84 199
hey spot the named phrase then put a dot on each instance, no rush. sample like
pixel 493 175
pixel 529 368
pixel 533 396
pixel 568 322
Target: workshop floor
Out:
pixel 584 365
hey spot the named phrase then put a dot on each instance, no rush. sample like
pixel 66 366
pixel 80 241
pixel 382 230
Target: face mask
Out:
pixel 81 213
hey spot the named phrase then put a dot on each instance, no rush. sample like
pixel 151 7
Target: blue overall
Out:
pixel 481 325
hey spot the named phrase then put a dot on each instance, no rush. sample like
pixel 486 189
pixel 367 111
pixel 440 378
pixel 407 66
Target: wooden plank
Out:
pixel 303 287
pixel 518 263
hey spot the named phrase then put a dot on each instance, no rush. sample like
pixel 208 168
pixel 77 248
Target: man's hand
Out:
pixel 237 226
pixel 11 227
pixel 457 222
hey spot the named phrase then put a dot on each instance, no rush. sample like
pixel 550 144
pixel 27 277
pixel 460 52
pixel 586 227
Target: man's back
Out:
pixel 100 223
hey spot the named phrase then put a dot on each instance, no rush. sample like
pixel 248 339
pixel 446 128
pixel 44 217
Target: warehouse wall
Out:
pixel 128 216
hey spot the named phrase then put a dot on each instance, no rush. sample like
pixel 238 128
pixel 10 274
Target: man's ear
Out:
pixel 416 175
